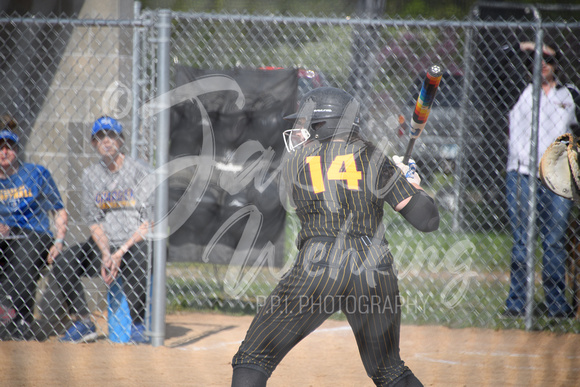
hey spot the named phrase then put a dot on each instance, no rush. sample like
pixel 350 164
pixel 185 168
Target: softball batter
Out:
pixel 339 183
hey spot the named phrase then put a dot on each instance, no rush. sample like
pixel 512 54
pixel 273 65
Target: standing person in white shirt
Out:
pixel 559 112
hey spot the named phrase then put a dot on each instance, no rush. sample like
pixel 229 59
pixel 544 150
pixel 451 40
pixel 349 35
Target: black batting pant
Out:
pixel 330 276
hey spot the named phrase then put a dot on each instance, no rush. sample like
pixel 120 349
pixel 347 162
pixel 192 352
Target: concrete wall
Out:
pixel 92 78
pixel 94 71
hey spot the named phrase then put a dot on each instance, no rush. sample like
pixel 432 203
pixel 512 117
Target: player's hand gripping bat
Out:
pixel 423 107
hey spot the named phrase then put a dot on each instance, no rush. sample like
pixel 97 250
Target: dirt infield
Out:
pixel 199 347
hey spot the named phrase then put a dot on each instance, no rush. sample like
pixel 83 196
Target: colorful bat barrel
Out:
pixel 425 100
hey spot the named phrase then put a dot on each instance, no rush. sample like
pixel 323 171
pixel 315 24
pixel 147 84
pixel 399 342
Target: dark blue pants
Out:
pixel 553 213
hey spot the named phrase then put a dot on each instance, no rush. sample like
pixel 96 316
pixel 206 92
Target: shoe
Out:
pixel 512 313
pixel 80 332
pixel 138 334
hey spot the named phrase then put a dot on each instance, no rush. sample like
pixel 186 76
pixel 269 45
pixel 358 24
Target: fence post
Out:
pixel 531 227
pixel 458 188
pixel 160 228
pixel 136 83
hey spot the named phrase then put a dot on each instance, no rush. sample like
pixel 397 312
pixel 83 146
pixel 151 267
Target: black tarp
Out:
pixel 241 163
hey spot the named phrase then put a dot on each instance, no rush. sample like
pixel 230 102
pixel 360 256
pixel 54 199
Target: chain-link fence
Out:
pixel 59 75
pixel 460 275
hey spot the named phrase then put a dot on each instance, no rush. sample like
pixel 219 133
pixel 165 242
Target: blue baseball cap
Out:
pixel 6 134
pixel 106 123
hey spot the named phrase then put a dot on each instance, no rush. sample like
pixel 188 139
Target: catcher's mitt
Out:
pixel 559 170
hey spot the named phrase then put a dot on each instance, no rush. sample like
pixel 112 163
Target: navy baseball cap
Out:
pixel 6 134
pixel 106 123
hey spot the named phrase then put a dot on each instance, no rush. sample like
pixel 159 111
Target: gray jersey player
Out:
pixel 114 203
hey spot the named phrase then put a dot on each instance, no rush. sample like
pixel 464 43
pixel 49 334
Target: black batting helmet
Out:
pixel 325 112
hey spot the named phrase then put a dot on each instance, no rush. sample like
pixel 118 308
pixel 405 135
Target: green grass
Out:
pixel 451 278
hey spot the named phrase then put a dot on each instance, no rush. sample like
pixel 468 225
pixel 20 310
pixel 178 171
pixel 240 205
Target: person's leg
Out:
pixel 373 310
pixel 554 217
pixel 134 277
pixel 7 311
pixel 408 379
pixel 69 268
pixel 244 377
pixel 25 259
pixel 23 272
pixel 517 196
pixel 302 301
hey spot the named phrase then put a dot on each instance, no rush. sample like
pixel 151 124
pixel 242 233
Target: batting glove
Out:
pixel 410 170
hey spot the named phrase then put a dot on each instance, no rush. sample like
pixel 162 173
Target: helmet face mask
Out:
pixel 294 138
pixel 324 113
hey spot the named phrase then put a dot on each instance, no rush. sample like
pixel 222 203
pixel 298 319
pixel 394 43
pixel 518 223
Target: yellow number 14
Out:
pixel 342 168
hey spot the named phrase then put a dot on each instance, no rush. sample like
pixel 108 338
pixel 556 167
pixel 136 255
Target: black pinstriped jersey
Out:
pixel 342 187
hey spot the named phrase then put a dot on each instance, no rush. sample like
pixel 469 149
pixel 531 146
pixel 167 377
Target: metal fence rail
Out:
pixel 60 74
